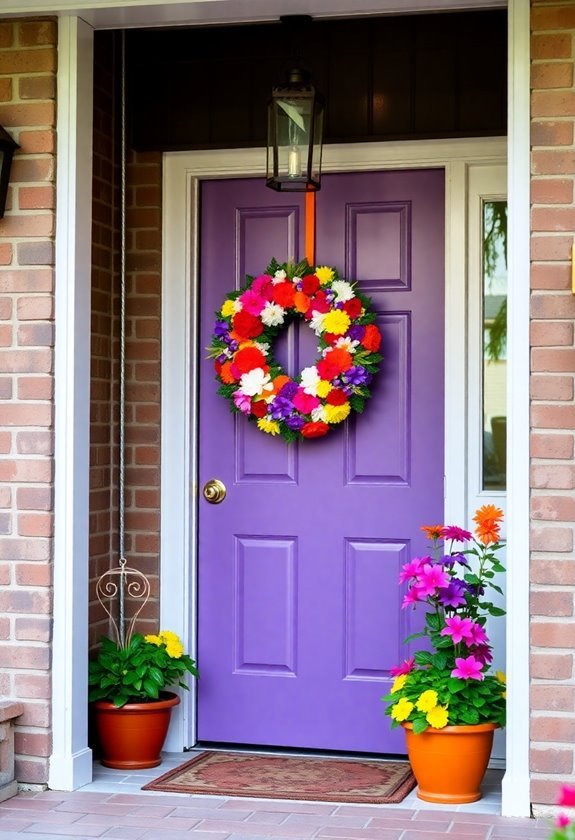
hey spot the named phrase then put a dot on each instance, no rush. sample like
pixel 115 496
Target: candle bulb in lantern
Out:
pixel 294 162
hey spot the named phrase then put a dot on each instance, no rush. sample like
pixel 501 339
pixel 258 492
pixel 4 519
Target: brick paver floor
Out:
pixel 114 807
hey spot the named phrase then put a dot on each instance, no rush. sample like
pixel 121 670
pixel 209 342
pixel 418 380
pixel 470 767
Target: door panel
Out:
pixel 299 610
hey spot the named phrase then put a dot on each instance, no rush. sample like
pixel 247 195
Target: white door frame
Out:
pixel 183 172
pixel 68 767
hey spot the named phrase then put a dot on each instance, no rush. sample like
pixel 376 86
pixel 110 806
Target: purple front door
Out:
pixel 300 614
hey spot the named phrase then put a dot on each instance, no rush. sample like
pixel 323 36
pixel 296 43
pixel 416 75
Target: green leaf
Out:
pixel 433 620
pixel 495 610
pixel 420 725
pixel 439 661
pixel 423 657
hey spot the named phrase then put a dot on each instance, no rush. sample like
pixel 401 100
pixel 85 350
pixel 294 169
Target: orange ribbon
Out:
pixel 310 227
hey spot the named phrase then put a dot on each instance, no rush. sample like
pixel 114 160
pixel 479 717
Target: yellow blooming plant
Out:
pixel 140 669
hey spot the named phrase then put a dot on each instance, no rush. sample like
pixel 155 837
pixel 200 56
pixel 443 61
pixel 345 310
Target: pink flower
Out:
pixel 262 286
pixel 562 821
pixel 467 669
pixel 252 302
pixel 305 402
pixel 411 569
pixel 566 796
pixel 478 635
pixel 404 668
pixel 413 596
pixel 242 401
pixel 458 628
pixel 453 532
pixel 431 578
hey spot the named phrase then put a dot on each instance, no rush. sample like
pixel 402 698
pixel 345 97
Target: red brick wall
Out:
pixel 552 393
pixel 143 265
pixel 27 110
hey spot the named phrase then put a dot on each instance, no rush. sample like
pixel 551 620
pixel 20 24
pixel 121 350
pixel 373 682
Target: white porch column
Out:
pixel 71 760
pixel 516 796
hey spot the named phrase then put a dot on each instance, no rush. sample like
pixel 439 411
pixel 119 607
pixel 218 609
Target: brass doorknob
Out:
pixel 214 491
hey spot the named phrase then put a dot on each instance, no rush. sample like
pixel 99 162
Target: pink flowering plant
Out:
pixel 450 683
pixel 564 826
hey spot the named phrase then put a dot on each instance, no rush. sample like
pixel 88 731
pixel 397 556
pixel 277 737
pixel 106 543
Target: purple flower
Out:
pixel 483 653
pixel 452 595
pixel 289 390
pixel 356 332
pixel 221 329
pixel 356 375
pixel 222 358
pixel 281 408
pixel 295 422
pixel 460 558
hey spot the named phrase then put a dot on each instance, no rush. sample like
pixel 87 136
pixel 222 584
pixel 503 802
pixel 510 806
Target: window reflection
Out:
pixel 494 345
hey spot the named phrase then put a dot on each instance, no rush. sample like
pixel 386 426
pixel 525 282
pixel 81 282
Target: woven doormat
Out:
pixel 290 777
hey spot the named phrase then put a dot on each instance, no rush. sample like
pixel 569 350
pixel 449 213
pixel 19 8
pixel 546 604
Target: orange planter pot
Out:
pixel 131 738
pixel 449 763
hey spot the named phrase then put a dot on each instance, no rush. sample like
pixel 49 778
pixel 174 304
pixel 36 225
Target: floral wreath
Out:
pixel 325 393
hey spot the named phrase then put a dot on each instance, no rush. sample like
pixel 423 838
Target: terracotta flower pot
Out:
pixel 132 737
pixel 449 763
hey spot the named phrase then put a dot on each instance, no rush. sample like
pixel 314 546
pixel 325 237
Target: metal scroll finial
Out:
pixel 123 581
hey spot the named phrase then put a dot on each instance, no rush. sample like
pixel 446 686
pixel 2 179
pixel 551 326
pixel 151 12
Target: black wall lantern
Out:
pixel 295 135
pixel 7 149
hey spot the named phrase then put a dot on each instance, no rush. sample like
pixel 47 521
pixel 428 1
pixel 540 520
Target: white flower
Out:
pixel 310 380
pixel 272 314
pixel 264 347
pixel 318 414
pixel 343 291
pixel 346 344
pixel 279 277
pixel 237 305
pixel 296 279
pixel 255 382
pixel 317 319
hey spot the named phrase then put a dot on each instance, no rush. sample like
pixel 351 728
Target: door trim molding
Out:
pixel 183 172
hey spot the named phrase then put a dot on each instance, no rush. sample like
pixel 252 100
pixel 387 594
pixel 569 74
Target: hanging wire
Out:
pixel 122 407
pixel 121 581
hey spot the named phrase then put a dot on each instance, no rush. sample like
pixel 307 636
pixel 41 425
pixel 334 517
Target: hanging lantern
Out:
pixel 295 135
pixel 7 149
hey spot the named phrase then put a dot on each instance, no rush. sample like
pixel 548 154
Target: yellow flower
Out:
pixel 402 709
pixel 323 388
pixel 154 640
pixel 499 675
pixel 437 717
pixel 398 683
pixel 228 308
pixel 504 695
pixel 174 649
pixel 269 426
pixel 324 274
pixel 337 322
pixel 169 636
pixel 427 700
pixel 336 413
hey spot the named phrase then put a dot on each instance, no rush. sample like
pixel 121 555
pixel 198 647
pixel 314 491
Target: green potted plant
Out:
pixel 444 696
pixel 127 685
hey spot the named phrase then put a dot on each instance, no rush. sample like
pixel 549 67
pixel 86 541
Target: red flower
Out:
pixel 313 430
pixel 249 358
pixel 284 294
pixel 310 284
pixel 318 303
pixel 246 325
pixel 330 338
pixel 340 358
pixel 566 796
pixel 336 397
pixel 327 370
pixel 259 408
pixel 353 307
pixel 372 338
pixel 217 367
